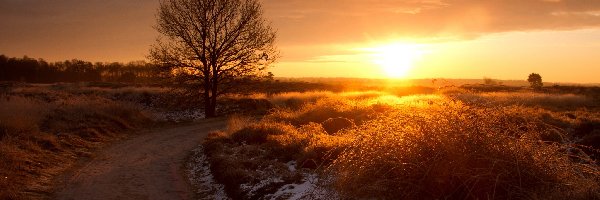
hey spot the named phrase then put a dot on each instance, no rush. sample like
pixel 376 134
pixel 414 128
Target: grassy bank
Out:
pixel 43 132
pixel 455 144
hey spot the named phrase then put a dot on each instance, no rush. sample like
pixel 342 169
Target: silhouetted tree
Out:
pixel 489 81
pixel 270 77
pixel 39 71
pixel 3 67
pixel 209 46
pixel 535 80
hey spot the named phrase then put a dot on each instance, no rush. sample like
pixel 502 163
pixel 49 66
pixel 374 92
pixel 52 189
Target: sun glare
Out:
pixel 396 60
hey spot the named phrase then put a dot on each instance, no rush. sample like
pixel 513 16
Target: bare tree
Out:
pixel 209 46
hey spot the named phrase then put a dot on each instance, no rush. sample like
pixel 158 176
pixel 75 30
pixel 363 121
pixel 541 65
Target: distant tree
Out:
pixel 270 76
pixel 39 71
pixel 535 80
pixel 489 81
pixel 3 67
pixel 209 46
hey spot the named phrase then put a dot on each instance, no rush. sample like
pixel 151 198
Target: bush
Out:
pixel 333 125
pixel 535 80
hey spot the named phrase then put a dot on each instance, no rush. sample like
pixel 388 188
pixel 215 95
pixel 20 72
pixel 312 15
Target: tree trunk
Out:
pixel 209 106
pixel 210 110
pixel 213 91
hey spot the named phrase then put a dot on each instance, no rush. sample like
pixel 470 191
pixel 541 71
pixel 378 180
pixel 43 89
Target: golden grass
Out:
pixel 530 99
pixel 450 150
pixel 425 146
pixel 295 100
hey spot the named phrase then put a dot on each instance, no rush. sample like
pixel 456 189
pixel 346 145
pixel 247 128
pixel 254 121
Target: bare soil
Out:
pixel 147 166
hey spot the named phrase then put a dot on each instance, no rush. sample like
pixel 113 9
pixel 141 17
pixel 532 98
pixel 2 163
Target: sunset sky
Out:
pixel 503 39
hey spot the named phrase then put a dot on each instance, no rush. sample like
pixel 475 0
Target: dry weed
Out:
pixel 456 145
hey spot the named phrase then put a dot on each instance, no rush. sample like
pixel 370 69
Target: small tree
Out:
pixel 535 80
pixel 209 46
pixel 489 81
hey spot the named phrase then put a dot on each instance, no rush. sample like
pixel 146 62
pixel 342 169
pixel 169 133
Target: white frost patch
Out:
pixel 298 191
pixel 308 189
pixel 179 116
pixel 253 188
pixel 291 166
pixel 199 175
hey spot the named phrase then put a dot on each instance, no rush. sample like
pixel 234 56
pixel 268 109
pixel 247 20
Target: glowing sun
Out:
pixel 396 60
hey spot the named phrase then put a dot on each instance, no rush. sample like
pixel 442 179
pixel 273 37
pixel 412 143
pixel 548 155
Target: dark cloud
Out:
pixel 122 29
pixel 303 21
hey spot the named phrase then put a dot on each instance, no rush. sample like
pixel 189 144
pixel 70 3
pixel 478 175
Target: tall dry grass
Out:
pixel 19 114
pixel 449 150
pixel 40 136
pixel 419 147
pixel 554 102
pixel 295 100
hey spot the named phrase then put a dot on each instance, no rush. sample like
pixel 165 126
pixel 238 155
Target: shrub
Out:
pixel 258 133
pixel 535 80
pixel 333 125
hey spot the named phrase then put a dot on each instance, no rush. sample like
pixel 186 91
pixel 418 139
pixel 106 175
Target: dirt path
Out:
pixel 147 166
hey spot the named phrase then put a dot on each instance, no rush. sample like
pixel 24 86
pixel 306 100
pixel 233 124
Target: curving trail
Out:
pixel 147 166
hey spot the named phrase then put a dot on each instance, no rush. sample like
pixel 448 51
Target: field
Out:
pixel 46 129
pixel 453 143
pixel 303 140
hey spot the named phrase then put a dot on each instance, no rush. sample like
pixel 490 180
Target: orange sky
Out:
pixel 504 39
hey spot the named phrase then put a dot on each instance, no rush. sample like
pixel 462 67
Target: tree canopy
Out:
pixel 209 47
pixel 31 70
pixel 535 80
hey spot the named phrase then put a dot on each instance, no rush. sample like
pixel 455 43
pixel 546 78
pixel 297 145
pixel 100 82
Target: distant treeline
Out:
pixel 39 71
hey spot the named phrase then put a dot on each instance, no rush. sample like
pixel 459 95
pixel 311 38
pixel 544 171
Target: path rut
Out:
pixel 148 166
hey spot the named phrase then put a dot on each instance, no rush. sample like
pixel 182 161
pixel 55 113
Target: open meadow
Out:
pixel 303 140
pixel 47 130
pixel 450 144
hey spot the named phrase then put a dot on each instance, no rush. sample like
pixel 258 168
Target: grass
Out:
pixel 44 128
pixel 43 132
pixel 546 101
pixel 393 144
pixel 458 152
pixel 456 145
